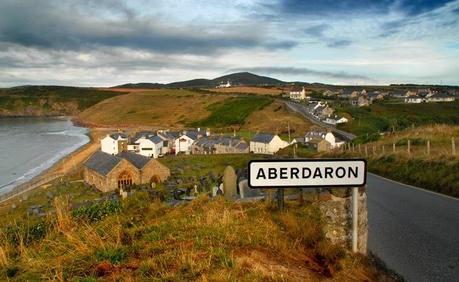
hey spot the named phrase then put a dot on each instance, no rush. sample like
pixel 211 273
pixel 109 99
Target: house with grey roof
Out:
pixel 108 172
pixel 441 97
pixel 114 143
pixel 150 146
pixel 169 138
pixel 187 138
pixel 266 143
pixel 220 145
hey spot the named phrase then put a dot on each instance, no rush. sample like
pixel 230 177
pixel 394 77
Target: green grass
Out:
pixel 51 100
pixel 438 175
pixel 195 166
pixel 381 117
pixel 233 111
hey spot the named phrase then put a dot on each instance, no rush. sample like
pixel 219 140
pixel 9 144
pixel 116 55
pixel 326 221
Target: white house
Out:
pixel 184 142
pixel 318 133
pixel 298 93
pixel 335 120
pixel 265 143
pixel 169 138
pixel 114 143
pixel 224 85
pixel 414 100
pixel 150 146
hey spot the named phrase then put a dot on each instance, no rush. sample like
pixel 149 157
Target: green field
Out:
pixel 381 117
pixel 233 111
pixel 49 100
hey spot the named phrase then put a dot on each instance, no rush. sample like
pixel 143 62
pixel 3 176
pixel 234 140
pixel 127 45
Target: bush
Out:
pixel 97 211
pixel 28 233
pixel 112 255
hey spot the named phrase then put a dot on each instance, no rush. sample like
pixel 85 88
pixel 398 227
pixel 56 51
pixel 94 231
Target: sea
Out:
pixel 28 146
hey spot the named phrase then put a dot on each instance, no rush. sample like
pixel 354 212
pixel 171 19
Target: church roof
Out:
pixel 137 160
pixel 103 163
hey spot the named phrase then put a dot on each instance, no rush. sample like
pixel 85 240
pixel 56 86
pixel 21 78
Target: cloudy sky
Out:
pixel 109 42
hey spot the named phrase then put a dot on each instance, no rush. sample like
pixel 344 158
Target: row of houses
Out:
pixel 157 144
pixel 121 164
pixel 321 110
pixel 428 97
pixel 360 97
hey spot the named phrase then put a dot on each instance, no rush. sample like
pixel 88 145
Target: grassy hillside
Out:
pixel 437 171
pixel 161 108
pixel 276 118
pixel 384 116
pixel 232 112
pixel 172 108
pixel 142 239
pixel 49 100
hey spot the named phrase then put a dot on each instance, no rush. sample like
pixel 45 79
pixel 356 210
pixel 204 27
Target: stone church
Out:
pixel 110 172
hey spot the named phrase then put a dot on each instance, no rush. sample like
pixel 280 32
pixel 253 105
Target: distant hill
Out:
pixel 140 85
pixel 247 78
pixel 240 79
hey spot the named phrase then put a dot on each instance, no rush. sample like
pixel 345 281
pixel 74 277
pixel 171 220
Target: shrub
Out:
pixel 97 211
pixel 113 255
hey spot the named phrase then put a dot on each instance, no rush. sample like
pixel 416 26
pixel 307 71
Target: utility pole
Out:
pixel 288 126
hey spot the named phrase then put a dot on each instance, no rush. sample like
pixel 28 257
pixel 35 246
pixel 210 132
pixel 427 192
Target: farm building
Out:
pixel 110 172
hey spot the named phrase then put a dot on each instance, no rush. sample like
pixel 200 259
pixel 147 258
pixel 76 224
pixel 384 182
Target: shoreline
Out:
pixel 67 164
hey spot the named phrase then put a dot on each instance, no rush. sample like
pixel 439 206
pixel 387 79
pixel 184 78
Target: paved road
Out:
pixel 301 109
pixel 415 232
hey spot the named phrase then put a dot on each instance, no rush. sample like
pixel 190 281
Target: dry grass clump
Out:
pixel 201 240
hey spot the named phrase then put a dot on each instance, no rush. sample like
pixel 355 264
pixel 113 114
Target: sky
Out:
pixel 111 42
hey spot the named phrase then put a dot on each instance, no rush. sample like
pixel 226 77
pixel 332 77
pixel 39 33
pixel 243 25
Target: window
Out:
pixel 124 179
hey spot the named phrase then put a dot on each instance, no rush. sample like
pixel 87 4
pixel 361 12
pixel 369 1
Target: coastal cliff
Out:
pixel 37 101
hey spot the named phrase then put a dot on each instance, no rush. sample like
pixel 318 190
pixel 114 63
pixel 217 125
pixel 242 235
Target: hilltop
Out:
pixel 240 78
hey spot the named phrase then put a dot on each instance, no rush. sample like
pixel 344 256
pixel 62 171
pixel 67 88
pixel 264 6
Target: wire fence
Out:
pixel 408 149
pixel 28 186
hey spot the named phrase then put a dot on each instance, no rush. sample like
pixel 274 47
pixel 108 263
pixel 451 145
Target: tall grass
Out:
pixel 202 240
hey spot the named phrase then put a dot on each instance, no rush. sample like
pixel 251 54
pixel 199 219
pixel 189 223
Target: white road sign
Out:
pixel 307 173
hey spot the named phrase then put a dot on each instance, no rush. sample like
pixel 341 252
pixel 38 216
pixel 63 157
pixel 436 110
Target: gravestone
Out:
pixel 229 183
pixel 246 192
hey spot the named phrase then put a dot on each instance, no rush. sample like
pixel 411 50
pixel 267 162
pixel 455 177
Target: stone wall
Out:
pixel 337 212
pixel 154 170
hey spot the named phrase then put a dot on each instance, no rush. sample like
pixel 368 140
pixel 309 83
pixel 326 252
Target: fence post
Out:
pixel 366 151
pixel 383 149
pixel 374 150
pixel 428 147
pixel 409 147
pixel 360 151
pixel 453 146
pixel 393 147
